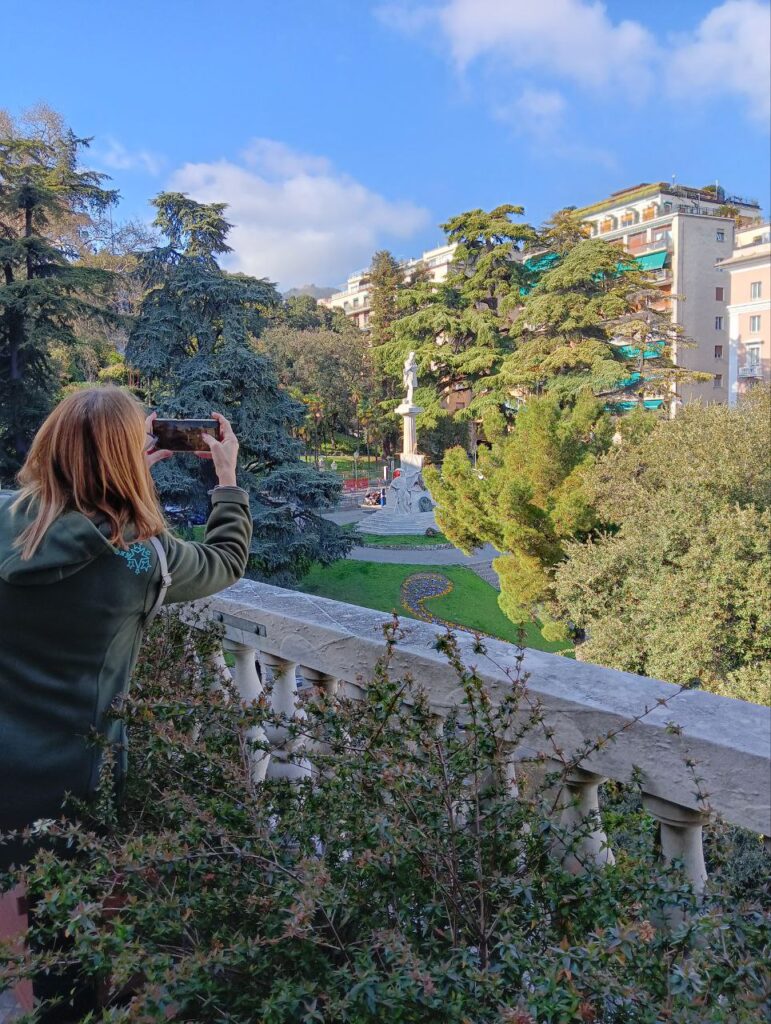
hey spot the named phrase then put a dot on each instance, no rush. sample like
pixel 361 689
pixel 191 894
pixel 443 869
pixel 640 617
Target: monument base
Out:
pixel 387 522
pixel 409 507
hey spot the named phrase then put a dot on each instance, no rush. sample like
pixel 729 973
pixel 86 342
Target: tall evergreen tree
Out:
pixel 527 495
pixel 562 231
pixel 386 280
pixel 386 277
pixel 459 327
pixel 582 301
pixel 193 343
pixel 44 289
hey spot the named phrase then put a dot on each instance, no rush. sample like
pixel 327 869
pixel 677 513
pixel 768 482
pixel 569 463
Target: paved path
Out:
pixel 344 516
pixel 480 562
pixel 423 556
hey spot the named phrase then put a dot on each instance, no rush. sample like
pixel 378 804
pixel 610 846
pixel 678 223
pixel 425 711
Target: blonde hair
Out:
pixel 89 457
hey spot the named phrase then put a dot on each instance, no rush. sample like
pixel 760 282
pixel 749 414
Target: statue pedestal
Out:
pixel 409 412
pixel 409 507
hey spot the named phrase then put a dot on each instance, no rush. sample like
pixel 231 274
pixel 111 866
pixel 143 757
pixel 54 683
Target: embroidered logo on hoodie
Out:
pixel 137 558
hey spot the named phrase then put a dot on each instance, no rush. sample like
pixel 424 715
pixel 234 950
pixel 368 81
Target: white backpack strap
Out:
pixel 165 580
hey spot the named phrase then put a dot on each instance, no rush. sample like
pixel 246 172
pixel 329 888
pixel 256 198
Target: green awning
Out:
pixel 652 260
pixel 542 261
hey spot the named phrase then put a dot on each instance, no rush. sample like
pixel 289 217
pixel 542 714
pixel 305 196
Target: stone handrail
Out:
pixel 722 742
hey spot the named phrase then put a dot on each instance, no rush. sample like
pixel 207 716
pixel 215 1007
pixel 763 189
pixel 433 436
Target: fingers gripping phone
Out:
pixel 184 435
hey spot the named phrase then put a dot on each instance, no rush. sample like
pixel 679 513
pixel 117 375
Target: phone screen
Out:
pixel 184 435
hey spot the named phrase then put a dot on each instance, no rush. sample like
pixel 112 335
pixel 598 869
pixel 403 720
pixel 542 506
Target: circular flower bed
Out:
pixel 422 587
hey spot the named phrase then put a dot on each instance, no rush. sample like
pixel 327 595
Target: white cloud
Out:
pixel 535 112
pixel 118 157
pixel 539 116
pixel 296 219
pixel 578 42
pixel 728 53
pixel 409 20
pixel 574 39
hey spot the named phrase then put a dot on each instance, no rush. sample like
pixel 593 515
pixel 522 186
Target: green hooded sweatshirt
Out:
pixel 71 622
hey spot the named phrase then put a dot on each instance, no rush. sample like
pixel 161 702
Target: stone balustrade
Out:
pixel 696 756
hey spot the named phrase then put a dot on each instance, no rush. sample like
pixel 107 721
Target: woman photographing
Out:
pixel 82 552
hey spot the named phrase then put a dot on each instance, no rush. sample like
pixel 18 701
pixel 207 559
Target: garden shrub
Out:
pixel 410 882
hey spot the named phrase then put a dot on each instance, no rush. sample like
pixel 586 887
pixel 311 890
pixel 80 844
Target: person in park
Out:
pixel 82 552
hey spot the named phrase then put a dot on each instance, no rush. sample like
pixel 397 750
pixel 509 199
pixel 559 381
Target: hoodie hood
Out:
pixel 70 544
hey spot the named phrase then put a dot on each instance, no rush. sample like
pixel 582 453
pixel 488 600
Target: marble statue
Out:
pixel 409 507
pixel 410 378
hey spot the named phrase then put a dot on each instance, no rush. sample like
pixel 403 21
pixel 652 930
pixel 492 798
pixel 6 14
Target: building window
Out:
pixel 718 351
pixel 718 323
pixel 355 303
pixel 756 289
pixel 718 294
pixel 753 355
pixel 720 236
pixel 754 325
pixel 718 381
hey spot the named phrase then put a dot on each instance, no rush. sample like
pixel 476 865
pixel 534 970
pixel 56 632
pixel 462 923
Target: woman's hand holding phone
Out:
pixel 222 452
pixel 153 455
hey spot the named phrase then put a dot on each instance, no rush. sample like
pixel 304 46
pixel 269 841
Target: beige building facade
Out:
pixel 748 271
pixel 354 299
pixel 681 235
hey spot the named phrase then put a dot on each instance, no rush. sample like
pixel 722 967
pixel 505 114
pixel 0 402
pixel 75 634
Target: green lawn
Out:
pixel 472 602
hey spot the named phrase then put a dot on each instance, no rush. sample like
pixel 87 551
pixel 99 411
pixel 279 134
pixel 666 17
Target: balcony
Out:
pixel 303 643
pixel 654 246
pixel 754 371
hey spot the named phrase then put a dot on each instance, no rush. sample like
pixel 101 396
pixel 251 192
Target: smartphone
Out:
pixel 184 435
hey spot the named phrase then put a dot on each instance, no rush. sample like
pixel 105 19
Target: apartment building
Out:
pixel 354 299
pixel 748 270
pixel 683 235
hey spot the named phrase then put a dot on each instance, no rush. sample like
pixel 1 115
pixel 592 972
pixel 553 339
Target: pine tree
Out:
pixel 459 327
pixel 193 343
pixel 45 198
pixel 386 277
pixel 386 281
pixel 590 318
pixel 527 496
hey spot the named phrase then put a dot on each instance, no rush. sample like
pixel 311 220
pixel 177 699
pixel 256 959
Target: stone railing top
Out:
pixel 727 740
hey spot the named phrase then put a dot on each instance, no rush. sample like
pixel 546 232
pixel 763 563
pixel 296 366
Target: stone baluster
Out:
pixel 580 812
pixel 220 670
pixel 286 761
pixel 319 683
pixel 322 681
pixel 681 836
pixel 250 688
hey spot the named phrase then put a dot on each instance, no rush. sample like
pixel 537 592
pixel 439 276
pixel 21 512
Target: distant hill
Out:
pixel 311 289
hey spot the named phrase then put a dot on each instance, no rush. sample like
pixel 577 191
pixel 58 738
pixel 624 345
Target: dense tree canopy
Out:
pixel 527 312
pixel 46 204
pixel 193 343
pixel 592 319
pixel 459 327
pixel 329 371
pixel 679 588
pixel 525 495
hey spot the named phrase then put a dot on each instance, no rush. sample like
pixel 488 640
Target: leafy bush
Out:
pixel 409 881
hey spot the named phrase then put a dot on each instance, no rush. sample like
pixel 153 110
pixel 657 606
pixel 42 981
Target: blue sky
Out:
pixel 335 127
